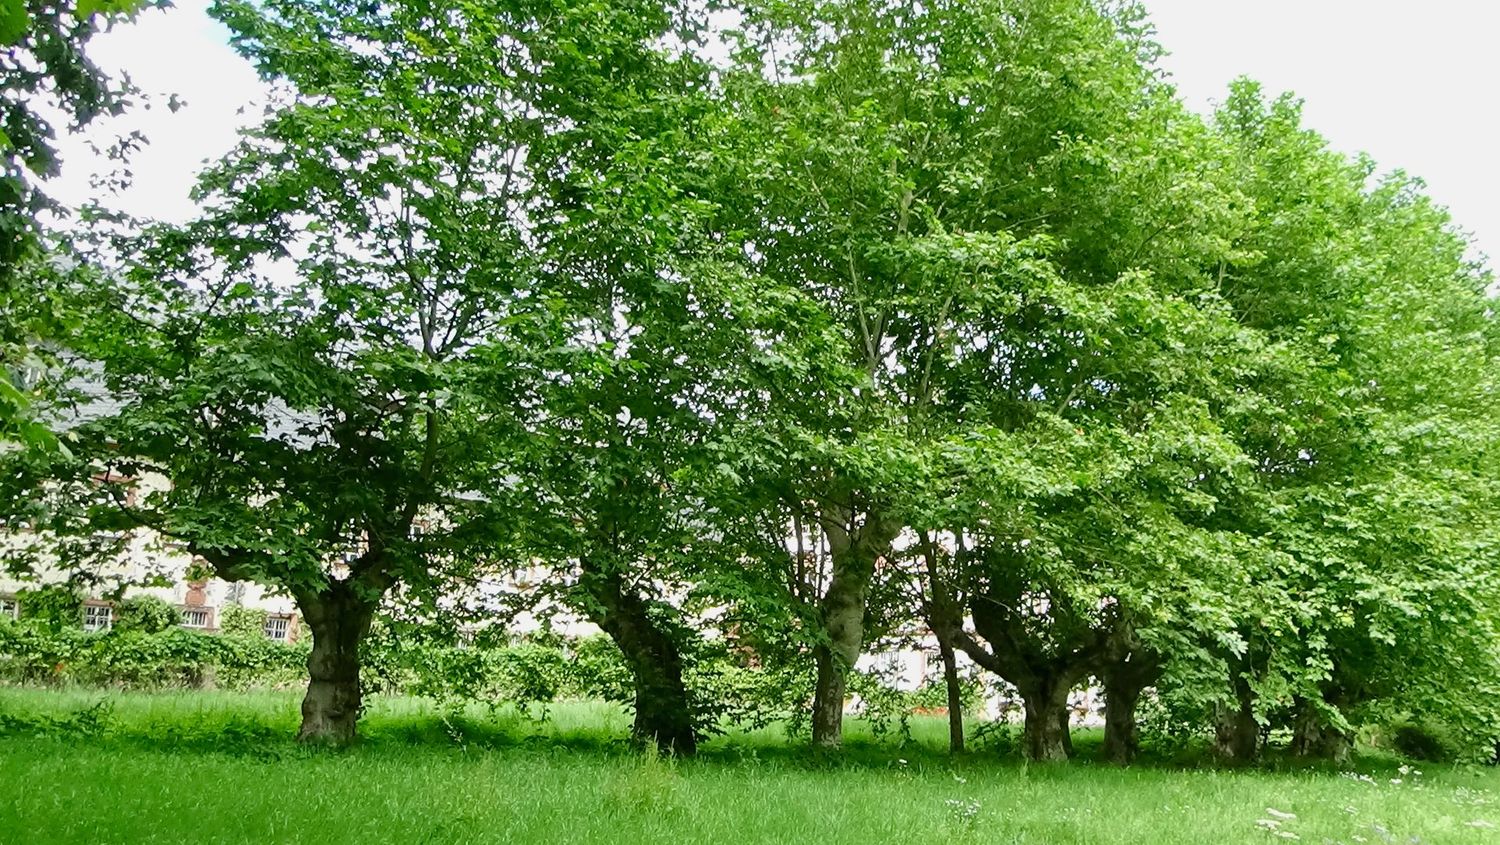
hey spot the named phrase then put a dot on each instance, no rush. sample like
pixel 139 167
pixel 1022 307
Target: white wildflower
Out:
pixel 1278 814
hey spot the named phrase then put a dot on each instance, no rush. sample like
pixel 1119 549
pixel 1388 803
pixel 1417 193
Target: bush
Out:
pixel 413 662
pixel 147 614
pixel 598 670
pixel 1424 741
pixel 37 653
pixel 238 620
pixel 57 607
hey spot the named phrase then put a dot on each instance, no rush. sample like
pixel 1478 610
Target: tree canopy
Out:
pixel 811 324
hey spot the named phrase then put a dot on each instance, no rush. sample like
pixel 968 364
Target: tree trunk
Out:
pixel 1121 737
pixel 955 698
pixel 339 620
pixel 844 625
pixel 1046 736
pixel 1236 733
pixel 853 554
pixel 1313 737
pixel 828 700
pixel 663 712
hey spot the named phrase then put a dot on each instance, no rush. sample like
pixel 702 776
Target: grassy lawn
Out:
pixel 211 767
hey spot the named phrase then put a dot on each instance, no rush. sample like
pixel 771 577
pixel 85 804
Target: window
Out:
pixel 10 607
pixel 195 617
pixel 98 617
pixel 278 627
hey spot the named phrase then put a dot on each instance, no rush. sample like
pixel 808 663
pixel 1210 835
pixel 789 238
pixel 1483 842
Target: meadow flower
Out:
pixel 963 811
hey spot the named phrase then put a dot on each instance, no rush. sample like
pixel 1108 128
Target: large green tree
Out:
pixel 1010 254
pixel 302 365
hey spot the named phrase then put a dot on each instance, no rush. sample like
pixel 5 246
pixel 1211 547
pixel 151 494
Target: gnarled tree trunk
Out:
pixel 663 712
pixel 1046 737
pixel 1121 736
pixel 1127 668
pixel 843 624
pixel 339 618
pixel 1236 732
pixel 1313 737
pixel 854 549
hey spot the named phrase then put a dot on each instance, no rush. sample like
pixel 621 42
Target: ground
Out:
pixel 220 767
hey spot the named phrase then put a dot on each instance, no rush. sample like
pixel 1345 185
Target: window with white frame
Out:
pixel 278 627
pixel 98 617
pixel 195 617
pixel 9 607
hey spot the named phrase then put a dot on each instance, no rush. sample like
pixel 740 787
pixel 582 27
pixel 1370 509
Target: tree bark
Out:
pixel 1312 737
pixel 663 710
pixel 1046 736
pixel 339 619
pixel 1236 732
pixel 854 550
pixel 1121 737
pixel 941 611
pixel 1127 669
pixel 843 623
pixel 955 698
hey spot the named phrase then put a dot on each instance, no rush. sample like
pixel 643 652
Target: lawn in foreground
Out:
pixel 200 767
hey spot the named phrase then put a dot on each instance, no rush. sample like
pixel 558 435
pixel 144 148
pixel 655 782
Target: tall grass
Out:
pixel 218 767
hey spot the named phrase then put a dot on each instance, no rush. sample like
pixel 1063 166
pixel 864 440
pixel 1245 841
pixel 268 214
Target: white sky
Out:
pixel 1415 89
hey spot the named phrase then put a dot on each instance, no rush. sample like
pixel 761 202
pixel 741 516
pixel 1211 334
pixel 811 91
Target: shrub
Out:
pixel 238 620
pixel 36 653
pixel 598 670
pixel 56 607
pixel 147 614
pixel 1424 741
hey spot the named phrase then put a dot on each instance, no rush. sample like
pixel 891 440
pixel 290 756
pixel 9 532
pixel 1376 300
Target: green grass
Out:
pixel 218 767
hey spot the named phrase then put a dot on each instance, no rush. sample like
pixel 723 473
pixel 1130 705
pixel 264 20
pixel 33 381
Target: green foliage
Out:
pixel 56 607
pixel 146 614
pixel 48 74
pixel 495 287
pixel 237 620
pixel 1425 742
pixel 135 658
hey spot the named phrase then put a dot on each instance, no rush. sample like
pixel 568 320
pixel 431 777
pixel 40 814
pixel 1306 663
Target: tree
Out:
pixel 1370 465
pixel 1012 257
pixel 47 70
pixel 301 363
pixel 647 325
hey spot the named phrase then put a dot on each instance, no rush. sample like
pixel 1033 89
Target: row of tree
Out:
pixel 819 319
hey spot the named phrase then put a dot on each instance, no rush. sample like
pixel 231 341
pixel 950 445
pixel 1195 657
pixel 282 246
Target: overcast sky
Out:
pixel 1412 84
